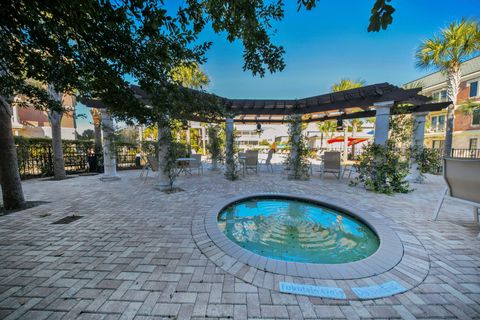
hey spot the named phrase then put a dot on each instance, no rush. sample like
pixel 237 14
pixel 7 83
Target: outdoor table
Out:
pixel 183 164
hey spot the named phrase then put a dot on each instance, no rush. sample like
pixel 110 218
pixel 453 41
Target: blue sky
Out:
pixel 329 43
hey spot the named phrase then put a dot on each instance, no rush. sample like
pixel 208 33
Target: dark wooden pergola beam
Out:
pixel 430 107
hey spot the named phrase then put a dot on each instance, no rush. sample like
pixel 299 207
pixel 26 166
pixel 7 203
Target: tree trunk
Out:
pixel 97 129
pixel 55 118
pixel 9 175
pixel 163 145
pixel 453 84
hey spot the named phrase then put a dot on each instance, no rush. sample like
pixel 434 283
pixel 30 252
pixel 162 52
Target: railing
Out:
pixel 466 153
pixel 35 157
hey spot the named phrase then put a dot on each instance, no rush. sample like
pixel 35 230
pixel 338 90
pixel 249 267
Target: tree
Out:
pixel 87 134
pixel 55 116
pixel 327 128
pixel 445 52
pixel 9 174
pixel 190 76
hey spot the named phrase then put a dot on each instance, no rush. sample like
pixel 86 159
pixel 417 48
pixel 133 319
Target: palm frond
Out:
pixel 469 106
pixel 457 42
pixel 346 83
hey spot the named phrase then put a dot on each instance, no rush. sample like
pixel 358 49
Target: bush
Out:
pixel 380 169
pixel 428 160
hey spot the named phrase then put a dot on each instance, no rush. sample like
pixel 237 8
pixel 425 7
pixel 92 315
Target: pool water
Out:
pixel 294 230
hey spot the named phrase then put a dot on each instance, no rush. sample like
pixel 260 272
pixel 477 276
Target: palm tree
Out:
pixel 346 84
pixel 327 128
pixel 456 43
pixel 190 76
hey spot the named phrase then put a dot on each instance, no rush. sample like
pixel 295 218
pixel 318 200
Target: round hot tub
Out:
pixel 297 230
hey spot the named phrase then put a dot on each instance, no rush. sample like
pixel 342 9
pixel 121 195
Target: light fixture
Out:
pixel 259 127
pixel 339 124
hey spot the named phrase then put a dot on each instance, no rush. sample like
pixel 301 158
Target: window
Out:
pixel 439 96
pixel 473 143
pixel 476 117
pixel 437 144
pixel 437 123
pixel 473 89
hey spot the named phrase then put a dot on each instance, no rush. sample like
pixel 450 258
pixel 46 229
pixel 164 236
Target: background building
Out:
pixel 466 126
pixel 30 122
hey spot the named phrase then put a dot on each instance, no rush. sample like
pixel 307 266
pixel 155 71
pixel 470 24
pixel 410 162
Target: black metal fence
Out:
pixel 35 157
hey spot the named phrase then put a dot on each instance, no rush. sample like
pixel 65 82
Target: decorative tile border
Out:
pixel 400 257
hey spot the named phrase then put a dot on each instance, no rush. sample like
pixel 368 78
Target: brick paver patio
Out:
pixel 132 254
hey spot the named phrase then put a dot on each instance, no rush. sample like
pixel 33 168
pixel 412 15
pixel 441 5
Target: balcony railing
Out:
pixel 466 153
pixel 436 129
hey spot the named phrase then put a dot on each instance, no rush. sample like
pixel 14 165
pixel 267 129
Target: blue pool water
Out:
pixel 295 230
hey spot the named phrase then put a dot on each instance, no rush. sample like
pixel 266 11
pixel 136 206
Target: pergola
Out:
pixel 369 101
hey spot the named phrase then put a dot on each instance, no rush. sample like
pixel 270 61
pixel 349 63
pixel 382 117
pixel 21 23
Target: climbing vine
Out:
pixel 214 145
pixel 297 160
pixel 230 160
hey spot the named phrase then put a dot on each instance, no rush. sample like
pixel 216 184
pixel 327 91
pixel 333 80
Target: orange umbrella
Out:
pixel 351 141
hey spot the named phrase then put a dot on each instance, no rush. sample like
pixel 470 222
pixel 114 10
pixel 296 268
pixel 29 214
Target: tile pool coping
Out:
pixel 408 265
pixel 388 255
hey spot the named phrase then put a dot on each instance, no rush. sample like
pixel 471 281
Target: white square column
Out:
pixel 109 152
pixel 417 142
pixel 382 121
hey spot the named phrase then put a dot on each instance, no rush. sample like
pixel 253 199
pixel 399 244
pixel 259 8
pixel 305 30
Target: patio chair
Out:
pixel 268 161
pixel 152 164
pixel 251 161
pixel 463 180
pixel 197 164
pixel 331 164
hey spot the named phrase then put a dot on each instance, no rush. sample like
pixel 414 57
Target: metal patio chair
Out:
pixel 463 184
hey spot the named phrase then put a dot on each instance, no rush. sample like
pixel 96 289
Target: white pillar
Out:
pixel 229 161
pixel 295 140
pixel 417 142
pixel 382 121
pixel 16 125
pixel 140 133
pixel 187 136
pixel 16 119
pixel 204 144
pixel 345 142
pixel 109 153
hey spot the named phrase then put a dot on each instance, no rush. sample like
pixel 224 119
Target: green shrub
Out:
pixel 380 169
